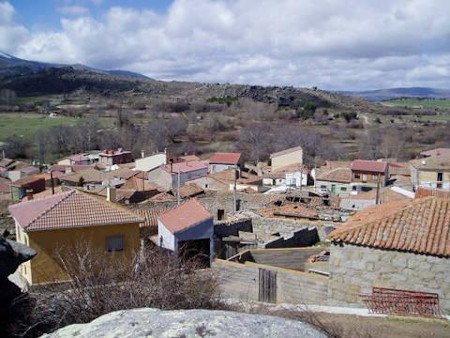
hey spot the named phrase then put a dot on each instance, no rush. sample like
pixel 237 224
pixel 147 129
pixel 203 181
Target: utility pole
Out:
pixel 377 200
pixel 53 183
pixel 234 189
pixel 178 186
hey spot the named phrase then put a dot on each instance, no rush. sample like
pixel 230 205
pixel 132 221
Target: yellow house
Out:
pixel 59 224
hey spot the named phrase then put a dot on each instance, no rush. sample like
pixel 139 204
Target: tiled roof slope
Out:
pixel 369 166
pixel 225 158
pixel 343 175
pixel 420 226
pixel 432 163
pixel 436 152
pixel 184 216
pixel 72 209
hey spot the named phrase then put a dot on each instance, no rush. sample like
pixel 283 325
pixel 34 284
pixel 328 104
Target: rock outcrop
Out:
pixel 187 323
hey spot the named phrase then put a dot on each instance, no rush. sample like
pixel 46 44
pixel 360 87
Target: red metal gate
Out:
pixel 402 302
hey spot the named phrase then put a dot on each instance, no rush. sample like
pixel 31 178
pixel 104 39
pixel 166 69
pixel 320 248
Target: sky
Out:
pixel 331 44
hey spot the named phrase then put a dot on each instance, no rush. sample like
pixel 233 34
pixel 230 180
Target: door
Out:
pixel 333 189
pixel 440 178
pixel 267 286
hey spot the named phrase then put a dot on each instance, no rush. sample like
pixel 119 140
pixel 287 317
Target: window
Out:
pixel 220 214
pixel 323 187
pixel 357 176
pixel 114 243
pixel 343 189
pixel 364 178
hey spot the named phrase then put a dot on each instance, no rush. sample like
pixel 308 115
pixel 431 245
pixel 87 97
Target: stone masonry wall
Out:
pixel 355 270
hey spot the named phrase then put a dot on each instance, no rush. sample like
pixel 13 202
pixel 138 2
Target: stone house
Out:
pixel 110 157
pixel 188 231
pixel 286 157
pixel 366 175
pixel 32 184
pixel 431 172
pixel 59 224
pixel 167 176
pixel 224 161
pixel 403 245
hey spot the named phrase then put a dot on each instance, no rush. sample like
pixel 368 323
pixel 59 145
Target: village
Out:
pixel 358 234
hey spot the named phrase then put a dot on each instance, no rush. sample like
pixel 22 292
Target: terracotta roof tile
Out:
pixel 27 180
pixel 71 209
pixel 184 216
pixel 225 158
pixel 369 166
pixel 185 167
pixel 343 175
pixel 420 226
pixel 150 215
pixel 432 163
pixel 190 190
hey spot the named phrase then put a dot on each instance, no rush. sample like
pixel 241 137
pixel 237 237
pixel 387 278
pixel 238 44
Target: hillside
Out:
pixel 396 93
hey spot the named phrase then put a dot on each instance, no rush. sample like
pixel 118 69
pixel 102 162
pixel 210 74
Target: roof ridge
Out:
pixel 68 193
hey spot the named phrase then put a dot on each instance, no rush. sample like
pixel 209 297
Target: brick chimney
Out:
pixel 111 194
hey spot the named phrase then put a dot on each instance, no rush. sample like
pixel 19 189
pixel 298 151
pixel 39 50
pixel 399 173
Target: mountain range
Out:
pixel 39 78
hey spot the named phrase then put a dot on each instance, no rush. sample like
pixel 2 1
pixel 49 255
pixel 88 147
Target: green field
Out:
pixel 425 103
pixel 25 125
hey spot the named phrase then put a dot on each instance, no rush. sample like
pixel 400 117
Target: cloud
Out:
pixel 73 10
pixel 280 42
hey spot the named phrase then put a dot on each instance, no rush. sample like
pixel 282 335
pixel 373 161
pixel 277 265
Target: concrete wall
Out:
pixel 151 162
pixel 168 239
pixel 429 178
pixel 356 270
pixel 354 204
pixel 294 157
pixel 217 167
pixel 339 188
pixel 242 282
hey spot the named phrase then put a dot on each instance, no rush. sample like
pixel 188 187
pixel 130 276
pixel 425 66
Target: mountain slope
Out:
pixel 394 93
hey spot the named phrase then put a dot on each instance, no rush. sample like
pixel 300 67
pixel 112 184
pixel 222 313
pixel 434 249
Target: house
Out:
pixel 402 245
pixel 23 186
pixel 59 224
pixel 337 181
pixel 110 157
pixel 77 159
pixel 225 181
pixel 170 175
pixel 435 152
pixel 431 172
pixel 286 157
pixel 224 161
pixel 22 171
pixel 367 175
pixel 294 175
pixel 151 162
pixel 187 230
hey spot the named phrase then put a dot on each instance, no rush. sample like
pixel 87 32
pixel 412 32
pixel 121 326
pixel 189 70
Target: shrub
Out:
pixel 98 286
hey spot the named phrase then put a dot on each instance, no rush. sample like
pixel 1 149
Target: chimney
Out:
pixel 111 194
pixel 29 194
pixel 142 153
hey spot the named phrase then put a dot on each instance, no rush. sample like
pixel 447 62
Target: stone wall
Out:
pixel 355 270
pixel 242 282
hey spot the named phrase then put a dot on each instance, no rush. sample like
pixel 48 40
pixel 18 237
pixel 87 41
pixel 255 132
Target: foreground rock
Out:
pixel 187 323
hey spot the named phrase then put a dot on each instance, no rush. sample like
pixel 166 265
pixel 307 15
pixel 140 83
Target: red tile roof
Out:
pixel 342 175
pixel 26 181
pixel 420 226
pixel 71 209
pixel 185 167
pixel 225 158
pixel 185 216
pixel 369 166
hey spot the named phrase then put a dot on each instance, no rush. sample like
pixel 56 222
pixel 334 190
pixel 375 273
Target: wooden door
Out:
pixel 267 286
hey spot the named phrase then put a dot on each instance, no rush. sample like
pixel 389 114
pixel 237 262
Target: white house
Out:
pixel 292 175
pixel 224 161
pixel 188 231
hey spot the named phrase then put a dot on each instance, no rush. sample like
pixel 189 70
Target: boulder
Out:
pixel 12 254
pixel 187 323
